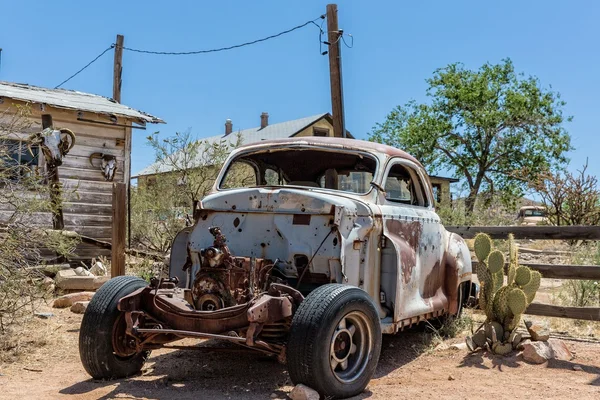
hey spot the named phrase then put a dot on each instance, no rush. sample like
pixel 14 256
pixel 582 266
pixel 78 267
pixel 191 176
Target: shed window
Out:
pixel 15 158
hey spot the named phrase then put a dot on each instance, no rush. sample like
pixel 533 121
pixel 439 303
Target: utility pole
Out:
pixel 335 71
pixel 118 68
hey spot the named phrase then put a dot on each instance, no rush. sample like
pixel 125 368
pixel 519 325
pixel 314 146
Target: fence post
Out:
pixel 118 229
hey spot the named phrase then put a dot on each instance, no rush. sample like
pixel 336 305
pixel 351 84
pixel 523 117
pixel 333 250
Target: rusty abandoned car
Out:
pixel 308 249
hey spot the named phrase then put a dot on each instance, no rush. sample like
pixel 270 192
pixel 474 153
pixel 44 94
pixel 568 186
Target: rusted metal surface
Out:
pixel 251 247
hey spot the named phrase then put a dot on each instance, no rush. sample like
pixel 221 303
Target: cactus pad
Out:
pixel 496 261
pixel 483 273
pixel 483 246
pixel 501 309
pixel 515 339
pixel 522 276
pixel 517 301
pixel 502 348
pixel 479 338
pixel 498 279
pixel 512 271
pixel 532 286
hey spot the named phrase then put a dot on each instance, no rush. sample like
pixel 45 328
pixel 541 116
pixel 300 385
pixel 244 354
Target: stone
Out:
pixel 80 271
pixel 537 332
pixel 577 368
pixel 43 315
pixel 48 284
pixel 69 299
pixel 450 378
pixel 79 307
pixel 458 346
pixel 560 350
pixel 539 352
pixel 303 392
pixel 69 280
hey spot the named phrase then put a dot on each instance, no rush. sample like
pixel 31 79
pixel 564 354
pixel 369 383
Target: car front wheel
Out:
pixel 335 341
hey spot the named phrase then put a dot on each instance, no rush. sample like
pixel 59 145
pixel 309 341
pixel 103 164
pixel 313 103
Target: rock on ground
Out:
pixel 537 332
pixel 303 392
pixel 69 299
pixel 540 352
pixel 70 280
pixel 79 307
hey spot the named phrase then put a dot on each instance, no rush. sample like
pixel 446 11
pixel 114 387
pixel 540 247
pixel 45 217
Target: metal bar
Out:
pixel 193 334
pixel 530 232
pixel 93 121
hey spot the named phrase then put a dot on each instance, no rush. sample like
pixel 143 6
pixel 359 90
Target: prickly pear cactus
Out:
pixel 483 246
pixel 503 302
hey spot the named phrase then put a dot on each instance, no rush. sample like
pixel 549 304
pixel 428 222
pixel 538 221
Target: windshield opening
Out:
pixel 311 168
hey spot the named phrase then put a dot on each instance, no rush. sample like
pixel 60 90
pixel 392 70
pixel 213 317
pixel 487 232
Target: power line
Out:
pixel 81 70
pixel 185 53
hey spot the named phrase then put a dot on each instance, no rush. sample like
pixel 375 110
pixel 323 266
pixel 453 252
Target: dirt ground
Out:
pixel 409 367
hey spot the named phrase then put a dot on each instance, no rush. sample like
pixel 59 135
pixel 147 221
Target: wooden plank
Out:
pixel 88 220
pixel 98 142
pixel 91 231
pixel 85 151
pixel 83 163
pixel 80 196
pixel 118 68
pixel 530 232
pixel 119 209
pixel 89 209
pixel 548 310
pixel 562 271
pixel 76 184
pixel 87 175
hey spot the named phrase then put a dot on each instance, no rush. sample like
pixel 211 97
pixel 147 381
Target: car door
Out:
pixel 412 249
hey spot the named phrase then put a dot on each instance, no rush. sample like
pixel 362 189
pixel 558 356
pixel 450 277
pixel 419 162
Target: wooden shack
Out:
pixel 101 125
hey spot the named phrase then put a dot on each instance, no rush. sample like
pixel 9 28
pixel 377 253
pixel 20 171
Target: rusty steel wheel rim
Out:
pixel 119 339
pixel 351 347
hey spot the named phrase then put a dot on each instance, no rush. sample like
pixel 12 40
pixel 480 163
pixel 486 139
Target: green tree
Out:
pixel 493 127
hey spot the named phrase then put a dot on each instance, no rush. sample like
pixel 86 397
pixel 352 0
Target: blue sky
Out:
pixel 397 46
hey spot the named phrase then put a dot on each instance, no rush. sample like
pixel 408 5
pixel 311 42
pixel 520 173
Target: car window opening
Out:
pixel 345 171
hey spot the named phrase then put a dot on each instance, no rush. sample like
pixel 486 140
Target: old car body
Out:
pixel 532 215
pixel 290 220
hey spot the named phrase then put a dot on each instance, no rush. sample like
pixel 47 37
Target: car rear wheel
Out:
pixel 103 346
pixel 335 341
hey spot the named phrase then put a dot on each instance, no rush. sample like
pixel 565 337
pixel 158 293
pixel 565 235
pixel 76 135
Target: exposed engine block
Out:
pixel 224 280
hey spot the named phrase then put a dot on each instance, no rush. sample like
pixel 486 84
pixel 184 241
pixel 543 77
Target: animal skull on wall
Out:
pixel 55 144
pixel 108 164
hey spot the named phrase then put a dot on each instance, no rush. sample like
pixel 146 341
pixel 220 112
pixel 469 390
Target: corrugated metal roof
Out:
pixel 280 130
pixel 73 100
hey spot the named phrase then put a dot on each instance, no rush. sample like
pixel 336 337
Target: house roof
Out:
pixel 281 130
pixel 73 100
pixel 444 178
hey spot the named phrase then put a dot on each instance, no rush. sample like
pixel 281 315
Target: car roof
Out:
pixel 340 143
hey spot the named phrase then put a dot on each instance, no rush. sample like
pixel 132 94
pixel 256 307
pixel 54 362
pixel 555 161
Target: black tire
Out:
pixel 96 333
pixel 310 354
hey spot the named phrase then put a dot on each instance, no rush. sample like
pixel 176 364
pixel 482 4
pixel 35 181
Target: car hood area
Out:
pixel 286 200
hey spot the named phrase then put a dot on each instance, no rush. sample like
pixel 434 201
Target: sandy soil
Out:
pixel 409 367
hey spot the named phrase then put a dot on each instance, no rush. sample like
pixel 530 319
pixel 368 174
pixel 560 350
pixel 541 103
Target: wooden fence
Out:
pixel 583 272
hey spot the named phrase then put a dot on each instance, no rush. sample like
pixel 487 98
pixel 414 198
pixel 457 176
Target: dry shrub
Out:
pixel 570 198
pixel 24 196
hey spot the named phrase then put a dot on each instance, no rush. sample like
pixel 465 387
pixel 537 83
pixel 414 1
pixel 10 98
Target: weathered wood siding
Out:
pixel 323 123
pixel 87 204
